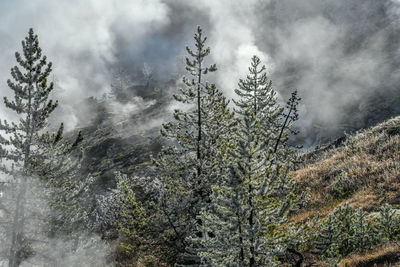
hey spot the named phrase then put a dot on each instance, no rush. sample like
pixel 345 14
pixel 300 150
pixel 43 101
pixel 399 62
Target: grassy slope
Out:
pixel 364 171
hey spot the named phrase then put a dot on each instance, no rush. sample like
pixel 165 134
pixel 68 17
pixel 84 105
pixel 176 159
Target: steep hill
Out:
pixel 362 170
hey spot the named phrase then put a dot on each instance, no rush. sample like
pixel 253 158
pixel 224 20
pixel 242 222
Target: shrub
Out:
pixel 389 224
pixel 344 231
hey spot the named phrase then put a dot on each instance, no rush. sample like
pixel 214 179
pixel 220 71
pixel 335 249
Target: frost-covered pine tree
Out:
pixel 218 129
pixel 57 170
pixel 256 94
pixel 346 230
pixel 31 92
pixel 25 153
pixel 187 166
pixel 188 128
pixel 389 223
pixel 242 227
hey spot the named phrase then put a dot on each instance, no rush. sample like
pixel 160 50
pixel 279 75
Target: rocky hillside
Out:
pixel 362 170
pixel 123 133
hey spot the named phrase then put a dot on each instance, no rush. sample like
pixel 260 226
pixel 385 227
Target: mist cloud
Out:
pixel 79 37
pixel 340 55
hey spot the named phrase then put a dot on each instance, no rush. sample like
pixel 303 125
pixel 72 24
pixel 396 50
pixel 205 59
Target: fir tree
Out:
pixel 256 193
pixel 256 94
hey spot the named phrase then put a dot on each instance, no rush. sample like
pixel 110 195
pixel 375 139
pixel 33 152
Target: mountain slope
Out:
pixel 362 170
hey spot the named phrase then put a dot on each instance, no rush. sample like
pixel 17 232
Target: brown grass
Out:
pixel 388 255
pixel 367 167
pixel 365 198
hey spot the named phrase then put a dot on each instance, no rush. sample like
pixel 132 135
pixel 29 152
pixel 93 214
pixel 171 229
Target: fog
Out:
pixel 341 55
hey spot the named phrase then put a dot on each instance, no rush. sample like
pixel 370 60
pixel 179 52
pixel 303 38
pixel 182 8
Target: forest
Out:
pixel 224 182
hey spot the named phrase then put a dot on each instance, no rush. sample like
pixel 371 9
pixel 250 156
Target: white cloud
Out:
pixel 78 37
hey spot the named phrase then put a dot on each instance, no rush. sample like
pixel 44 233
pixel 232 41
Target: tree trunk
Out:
pixel 17 240
pixel 199 121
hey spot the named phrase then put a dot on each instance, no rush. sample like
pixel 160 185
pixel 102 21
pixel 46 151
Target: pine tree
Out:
pixel 188 129
pixel 389 224
pixel 195 67
pixel 57 170
pixel 344 231
pixel 256 193
pixel 217 130
pixel 188 166
pixel 326 237
pixel 256 93
pixel 27 152
pixel 134 219
pixel 365 234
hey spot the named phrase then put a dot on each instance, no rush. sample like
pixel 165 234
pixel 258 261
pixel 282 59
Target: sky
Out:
pixel 343 56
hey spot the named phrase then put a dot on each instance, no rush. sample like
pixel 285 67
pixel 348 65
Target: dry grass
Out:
pixel 365 171
pixel 365 198
pixel 386 256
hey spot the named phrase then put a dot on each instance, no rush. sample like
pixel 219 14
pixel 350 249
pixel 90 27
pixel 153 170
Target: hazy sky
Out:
pixel 338 54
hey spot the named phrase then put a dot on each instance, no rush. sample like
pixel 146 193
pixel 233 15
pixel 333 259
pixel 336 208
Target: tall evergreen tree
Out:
pixel 31 92
pixel 193 93
pixel 27 152
pixel 185 166
pixel 256 193
pixel 195 67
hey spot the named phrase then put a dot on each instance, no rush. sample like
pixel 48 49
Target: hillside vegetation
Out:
pixel 363 171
